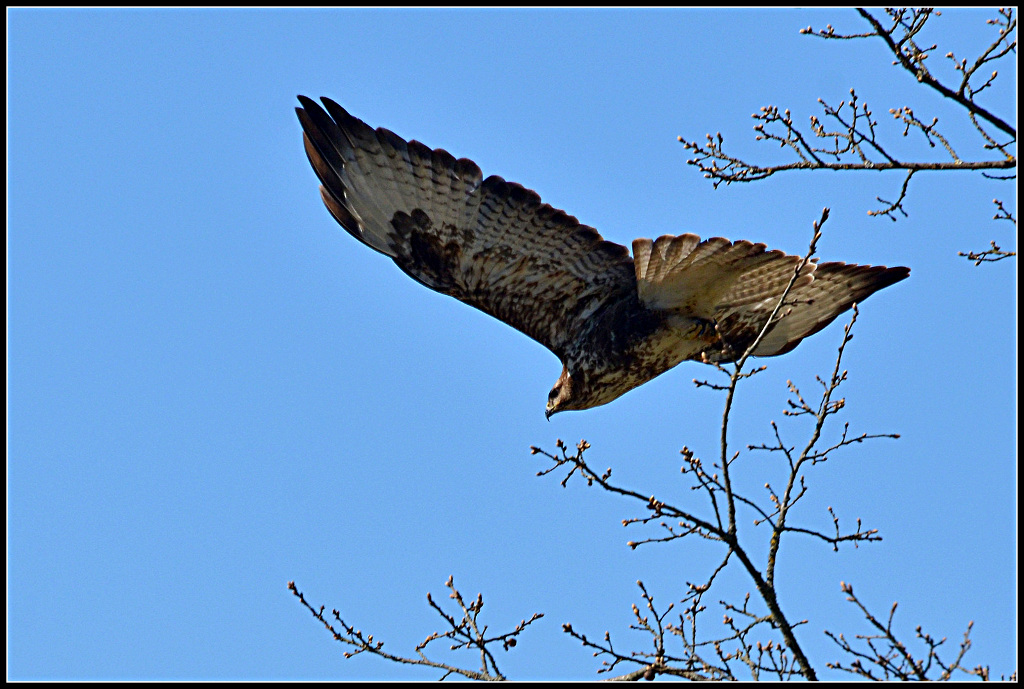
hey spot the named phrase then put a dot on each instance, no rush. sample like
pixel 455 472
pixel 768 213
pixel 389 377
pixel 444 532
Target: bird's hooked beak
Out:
pixel 559 394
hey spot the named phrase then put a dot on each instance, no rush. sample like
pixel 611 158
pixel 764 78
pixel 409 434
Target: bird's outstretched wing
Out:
pixel 489 243
pixel 737 285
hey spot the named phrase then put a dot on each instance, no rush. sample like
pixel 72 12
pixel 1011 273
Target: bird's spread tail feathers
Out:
pixel 738 284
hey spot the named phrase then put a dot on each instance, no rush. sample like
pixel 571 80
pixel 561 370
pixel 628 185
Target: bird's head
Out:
pixel 565 395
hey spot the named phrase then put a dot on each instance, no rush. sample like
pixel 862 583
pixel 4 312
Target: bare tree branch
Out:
pixel 912 58
pixel 995 253
pixel 464 634
pixel 891 658
pixel 856 142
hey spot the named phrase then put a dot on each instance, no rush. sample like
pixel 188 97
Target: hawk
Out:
pixel 614 321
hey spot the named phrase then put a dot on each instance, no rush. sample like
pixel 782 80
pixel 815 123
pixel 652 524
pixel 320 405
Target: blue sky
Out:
pixel 213 390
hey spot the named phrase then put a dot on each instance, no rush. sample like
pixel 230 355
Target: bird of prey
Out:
pixel 614 321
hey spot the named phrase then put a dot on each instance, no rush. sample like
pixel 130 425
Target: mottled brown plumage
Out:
pixel 613 320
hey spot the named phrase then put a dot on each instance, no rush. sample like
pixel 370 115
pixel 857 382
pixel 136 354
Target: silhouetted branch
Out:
pixel 912 57
pixel 988 255
pixel 651 662
pixel 885 657
pixel 855 143
pixel 995 253
pixel 464 633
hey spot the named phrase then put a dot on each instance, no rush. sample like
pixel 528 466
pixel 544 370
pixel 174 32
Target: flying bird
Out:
pixel 614 321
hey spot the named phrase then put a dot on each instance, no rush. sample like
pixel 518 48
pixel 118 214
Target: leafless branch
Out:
pixel 995 253
pixel 882 656
pixel 988 255
pixel 911 56
pixel 856 142
pixel 464 633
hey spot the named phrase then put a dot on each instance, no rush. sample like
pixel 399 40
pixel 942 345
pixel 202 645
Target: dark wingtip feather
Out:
pixel 874 278
pixel 895 274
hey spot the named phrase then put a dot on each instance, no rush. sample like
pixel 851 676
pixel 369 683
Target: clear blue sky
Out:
pixel 213 390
